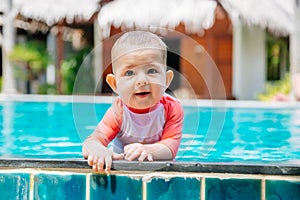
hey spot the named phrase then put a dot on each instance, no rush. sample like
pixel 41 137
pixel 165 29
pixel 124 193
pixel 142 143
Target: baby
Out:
pixel 144 122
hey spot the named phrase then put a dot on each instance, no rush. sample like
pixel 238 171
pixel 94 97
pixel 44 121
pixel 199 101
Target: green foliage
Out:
pixel 69 69
pixel 273 58
pixel 282 86
pixel 47 89
pixel 29 58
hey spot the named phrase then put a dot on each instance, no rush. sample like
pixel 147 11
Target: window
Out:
pixel 277 57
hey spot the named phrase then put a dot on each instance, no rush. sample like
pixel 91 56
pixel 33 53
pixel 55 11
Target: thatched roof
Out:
pixel 2 6
pixel 53 11
pixel 274 15
pixel 195 14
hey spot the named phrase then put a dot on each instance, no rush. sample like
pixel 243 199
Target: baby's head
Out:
pixel 137 40
pixel 139 69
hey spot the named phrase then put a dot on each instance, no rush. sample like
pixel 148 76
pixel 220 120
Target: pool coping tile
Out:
pixel 199 167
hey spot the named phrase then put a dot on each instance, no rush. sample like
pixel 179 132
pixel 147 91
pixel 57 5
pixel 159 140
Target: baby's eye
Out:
pixel 129 73
pixel 152 71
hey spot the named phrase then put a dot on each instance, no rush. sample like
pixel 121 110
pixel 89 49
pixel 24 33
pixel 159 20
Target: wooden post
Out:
pixel 59 57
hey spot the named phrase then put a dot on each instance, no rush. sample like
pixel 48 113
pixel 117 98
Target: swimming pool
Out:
pixel 244 150
pixel 233 132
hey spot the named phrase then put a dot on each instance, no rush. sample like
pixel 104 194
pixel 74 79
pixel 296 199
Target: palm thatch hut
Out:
pixel 35 15
pixel 233 32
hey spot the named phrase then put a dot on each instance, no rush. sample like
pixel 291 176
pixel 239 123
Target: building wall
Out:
pixel 213 59
pixel 249 67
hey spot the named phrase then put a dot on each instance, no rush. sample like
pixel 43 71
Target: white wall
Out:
pixel 295 53
pixel 8 41
pixel 249 61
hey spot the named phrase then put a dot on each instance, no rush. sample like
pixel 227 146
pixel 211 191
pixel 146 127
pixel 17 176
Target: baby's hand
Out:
pixel 97 161
pixel 99 156
pixel 137 151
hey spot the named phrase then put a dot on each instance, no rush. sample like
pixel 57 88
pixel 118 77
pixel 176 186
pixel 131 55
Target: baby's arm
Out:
pixel 95 148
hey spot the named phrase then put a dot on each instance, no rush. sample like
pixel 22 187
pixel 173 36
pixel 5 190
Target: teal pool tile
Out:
pixel 282 189
pixel 174 188
pixel 239 189
pixel 14 186
pixel 59 186
pixel 115 187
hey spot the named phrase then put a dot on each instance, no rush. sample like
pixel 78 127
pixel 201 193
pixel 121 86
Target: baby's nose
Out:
pixel 142 79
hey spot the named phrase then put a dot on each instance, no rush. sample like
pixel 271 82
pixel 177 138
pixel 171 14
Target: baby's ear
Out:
pixel 169 77
pixel 111 80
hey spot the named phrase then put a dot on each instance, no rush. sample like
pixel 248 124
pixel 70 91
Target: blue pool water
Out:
pixel 227 134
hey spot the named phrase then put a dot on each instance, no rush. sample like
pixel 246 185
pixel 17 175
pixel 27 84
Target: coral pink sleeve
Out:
pixel 173 127
pixel 107 129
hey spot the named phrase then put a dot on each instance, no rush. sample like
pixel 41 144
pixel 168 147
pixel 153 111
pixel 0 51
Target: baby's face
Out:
pixel 140 78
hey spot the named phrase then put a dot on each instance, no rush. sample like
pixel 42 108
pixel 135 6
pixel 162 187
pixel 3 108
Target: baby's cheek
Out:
pixel 159 82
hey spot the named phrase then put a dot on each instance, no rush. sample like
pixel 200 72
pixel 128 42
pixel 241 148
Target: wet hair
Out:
pixel 137 40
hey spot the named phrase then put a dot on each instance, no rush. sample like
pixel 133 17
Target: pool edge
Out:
pixel 164 166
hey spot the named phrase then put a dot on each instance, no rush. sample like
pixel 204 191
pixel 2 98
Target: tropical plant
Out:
pixel 47 89
pixel 282 86
pixel 69 69
pixel 29 59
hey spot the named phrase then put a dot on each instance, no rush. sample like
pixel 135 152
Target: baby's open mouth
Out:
pixel 142 93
